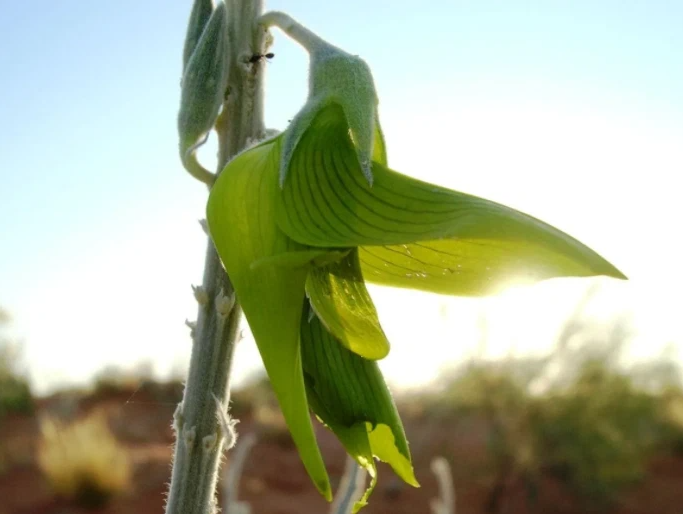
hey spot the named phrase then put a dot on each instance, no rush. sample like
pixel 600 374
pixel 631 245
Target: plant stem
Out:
pixel 350 488
pixel 201 420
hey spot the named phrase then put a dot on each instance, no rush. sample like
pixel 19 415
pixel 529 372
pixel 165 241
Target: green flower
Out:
pixel 303 220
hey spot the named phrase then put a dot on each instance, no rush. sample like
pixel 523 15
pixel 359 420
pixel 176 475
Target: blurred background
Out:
pixel 560 397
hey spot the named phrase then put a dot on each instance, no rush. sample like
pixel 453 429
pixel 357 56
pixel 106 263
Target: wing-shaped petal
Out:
pixel 464 266
pixel 240 215
pixel 349 395
pixel 340 299
pixel 326 202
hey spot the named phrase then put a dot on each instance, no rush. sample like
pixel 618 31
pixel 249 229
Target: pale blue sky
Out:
pixel 571 111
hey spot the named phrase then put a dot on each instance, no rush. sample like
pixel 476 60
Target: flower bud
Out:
pixel 204 84
pixel 199 17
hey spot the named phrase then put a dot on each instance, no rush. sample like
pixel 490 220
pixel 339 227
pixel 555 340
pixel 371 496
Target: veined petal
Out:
pixel 327 202
pixel 240 215
pixel 349 395
pixel 465 267
pixel 340 299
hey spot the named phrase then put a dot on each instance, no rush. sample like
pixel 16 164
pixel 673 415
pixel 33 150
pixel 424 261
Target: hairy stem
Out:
pixel 305 37
pixel 201 420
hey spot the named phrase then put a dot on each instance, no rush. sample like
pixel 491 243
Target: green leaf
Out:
pixel 240 216
pixel 349 395
pixel 340 299
pixel 327 202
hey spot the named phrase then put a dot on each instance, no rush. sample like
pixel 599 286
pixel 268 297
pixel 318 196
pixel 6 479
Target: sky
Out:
pixel 569 111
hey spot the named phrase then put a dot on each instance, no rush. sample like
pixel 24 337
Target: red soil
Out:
pixel 274 481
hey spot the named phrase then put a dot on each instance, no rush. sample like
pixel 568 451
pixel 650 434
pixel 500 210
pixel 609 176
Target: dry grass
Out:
pixel 83 461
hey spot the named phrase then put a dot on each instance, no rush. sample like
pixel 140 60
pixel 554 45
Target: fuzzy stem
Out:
pixel 200 425
pixel 198 171
pixel 305 37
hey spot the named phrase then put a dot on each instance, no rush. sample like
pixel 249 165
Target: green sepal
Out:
pixel 199 17
pixel 349 395
pixel 203 84
pixel 340 299
pixel 240 216
pixel 416 234
pixel 344 80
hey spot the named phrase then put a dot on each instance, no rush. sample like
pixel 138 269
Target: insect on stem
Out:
pixel 258 57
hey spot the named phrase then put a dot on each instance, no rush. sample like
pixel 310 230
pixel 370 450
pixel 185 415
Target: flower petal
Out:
pixel 326 202
pixel 349 395
pixel 340 299
pixel 355 441
pixel 240 215
pixel 465 267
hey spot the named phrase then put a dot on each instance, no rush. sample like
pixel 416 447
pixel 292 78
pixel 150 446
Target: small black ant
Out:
pixel 257 57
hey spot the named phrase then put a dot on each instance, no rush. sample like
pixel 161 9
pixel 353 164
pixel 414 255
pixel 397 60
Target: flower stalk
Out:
pixel 201 422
